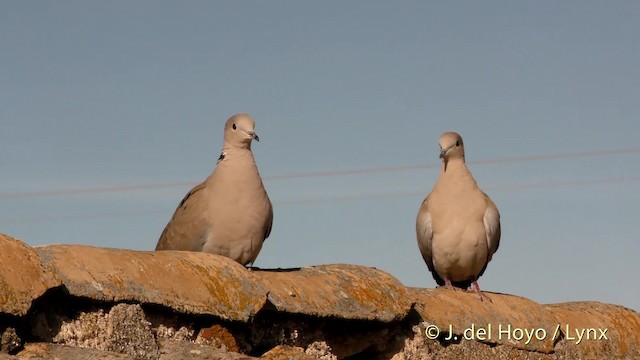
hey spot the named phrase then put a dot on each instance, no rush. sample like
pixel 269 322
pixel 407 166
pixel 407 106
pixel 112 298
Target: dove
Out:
pixel 230 213
pixel 458 226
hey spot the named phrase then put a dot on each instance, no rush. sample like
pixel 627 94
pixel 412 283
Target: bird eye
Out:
pixel 234 126
pixel 457 142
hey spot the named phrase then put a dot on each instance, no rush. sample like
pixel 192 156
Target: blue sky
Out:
pixel 114 94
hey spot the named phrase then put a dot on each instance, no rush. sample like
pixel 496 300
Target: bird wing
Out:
pixel 424 233
pixel 269 221
pixel 492 229
pixel 186 230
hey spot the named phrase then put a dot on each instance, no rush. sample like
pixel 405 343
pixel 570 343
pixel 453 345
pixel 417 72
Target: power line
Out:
pixel 383 169
pixel 340 198
pixel 501 187
pixel 371 170
pixel 551 184
pixel 48 218
pixel 584 154
pixel 90 190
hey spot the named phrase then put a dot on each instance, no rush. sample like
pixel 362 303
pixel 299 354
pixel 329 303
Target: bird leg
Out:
pixel 476 288
pixel 448 285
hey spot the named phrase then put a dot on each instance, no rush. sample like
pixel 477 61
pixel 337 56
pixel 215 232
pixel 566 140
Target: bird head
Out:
pixel 239 131
pixel 451 147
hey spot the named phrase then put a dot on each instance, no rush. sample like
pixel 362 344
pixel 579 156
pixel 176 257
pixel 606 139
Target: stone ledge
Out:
pixel 59 301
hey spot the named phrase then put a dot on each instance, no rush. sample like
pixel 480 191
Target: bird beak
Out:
pixel 252 134
pixel 443 156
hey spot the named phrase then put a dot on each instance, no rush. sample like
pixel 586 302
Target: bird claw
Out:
pixel 476 289
pixel 448 285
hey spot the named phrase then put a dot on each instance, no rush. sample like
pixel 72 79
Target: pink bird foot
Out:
pixel 448 285
pixel 476 288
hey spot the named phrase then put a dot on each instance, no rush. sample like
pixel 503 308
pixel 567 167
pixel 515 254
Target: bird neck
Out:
pixel 233 153
pixel 241 145
pixel 235 161
pixel 453 165
pixel 456 173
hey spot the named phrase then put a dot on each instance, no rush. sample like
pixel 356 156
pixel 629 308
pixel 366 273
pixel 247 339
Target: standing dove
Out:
pixel 229 213
pixel 458 226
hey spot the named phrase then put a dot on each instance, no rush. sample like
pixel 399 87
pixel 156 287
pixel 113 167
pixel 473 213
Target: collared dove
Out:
pixel 458 226
pixel 229 213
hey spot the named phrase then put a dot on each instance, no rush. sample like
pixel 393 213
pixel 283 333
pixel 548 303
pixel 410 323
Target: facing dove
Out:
pixel 228 214
pixel 458 226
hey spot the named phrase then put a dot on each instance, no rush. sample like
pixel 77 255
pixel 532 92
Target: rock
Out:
pixel 593 329
pixel 320 350
pixel 287 352
pixel 84 302
pixel 9 341
pixel 20 266
pixel 177 279
pixel 419 347
pixel 124 330
pixel 168 332
pixel 507 320
pixel 40 351
pixel 219 337
pixel 171 350
pixel 342 291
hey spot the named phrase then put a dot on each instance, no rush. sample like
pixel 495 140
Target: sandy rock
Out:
pixel 10 342
pixel 506 319
pixel 218 337
pixel 287 352
pixel 593 329
pixel 343 291
pixel 124 330
pixel 320 350
pixel 183 333
pixel 419 347
pixel 20 266
pixel 172 350
pixel 47 351
pixel 118 304
pixel 177 279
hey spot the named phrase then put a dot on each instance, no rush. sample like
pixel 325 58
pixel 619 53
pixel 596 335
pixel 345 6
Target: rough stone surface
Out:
pixel 78 302
pixel 419 347
pixel 23 277
pixel 10 342
pixel 41 351
pixel 219 337
pixel 588 321
pixel 467 316
pixel 183 333
pixel 287 352
pixel 343 291
pixel 189 282
pixel 320 350
pixel 124 330
pixel 172 350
